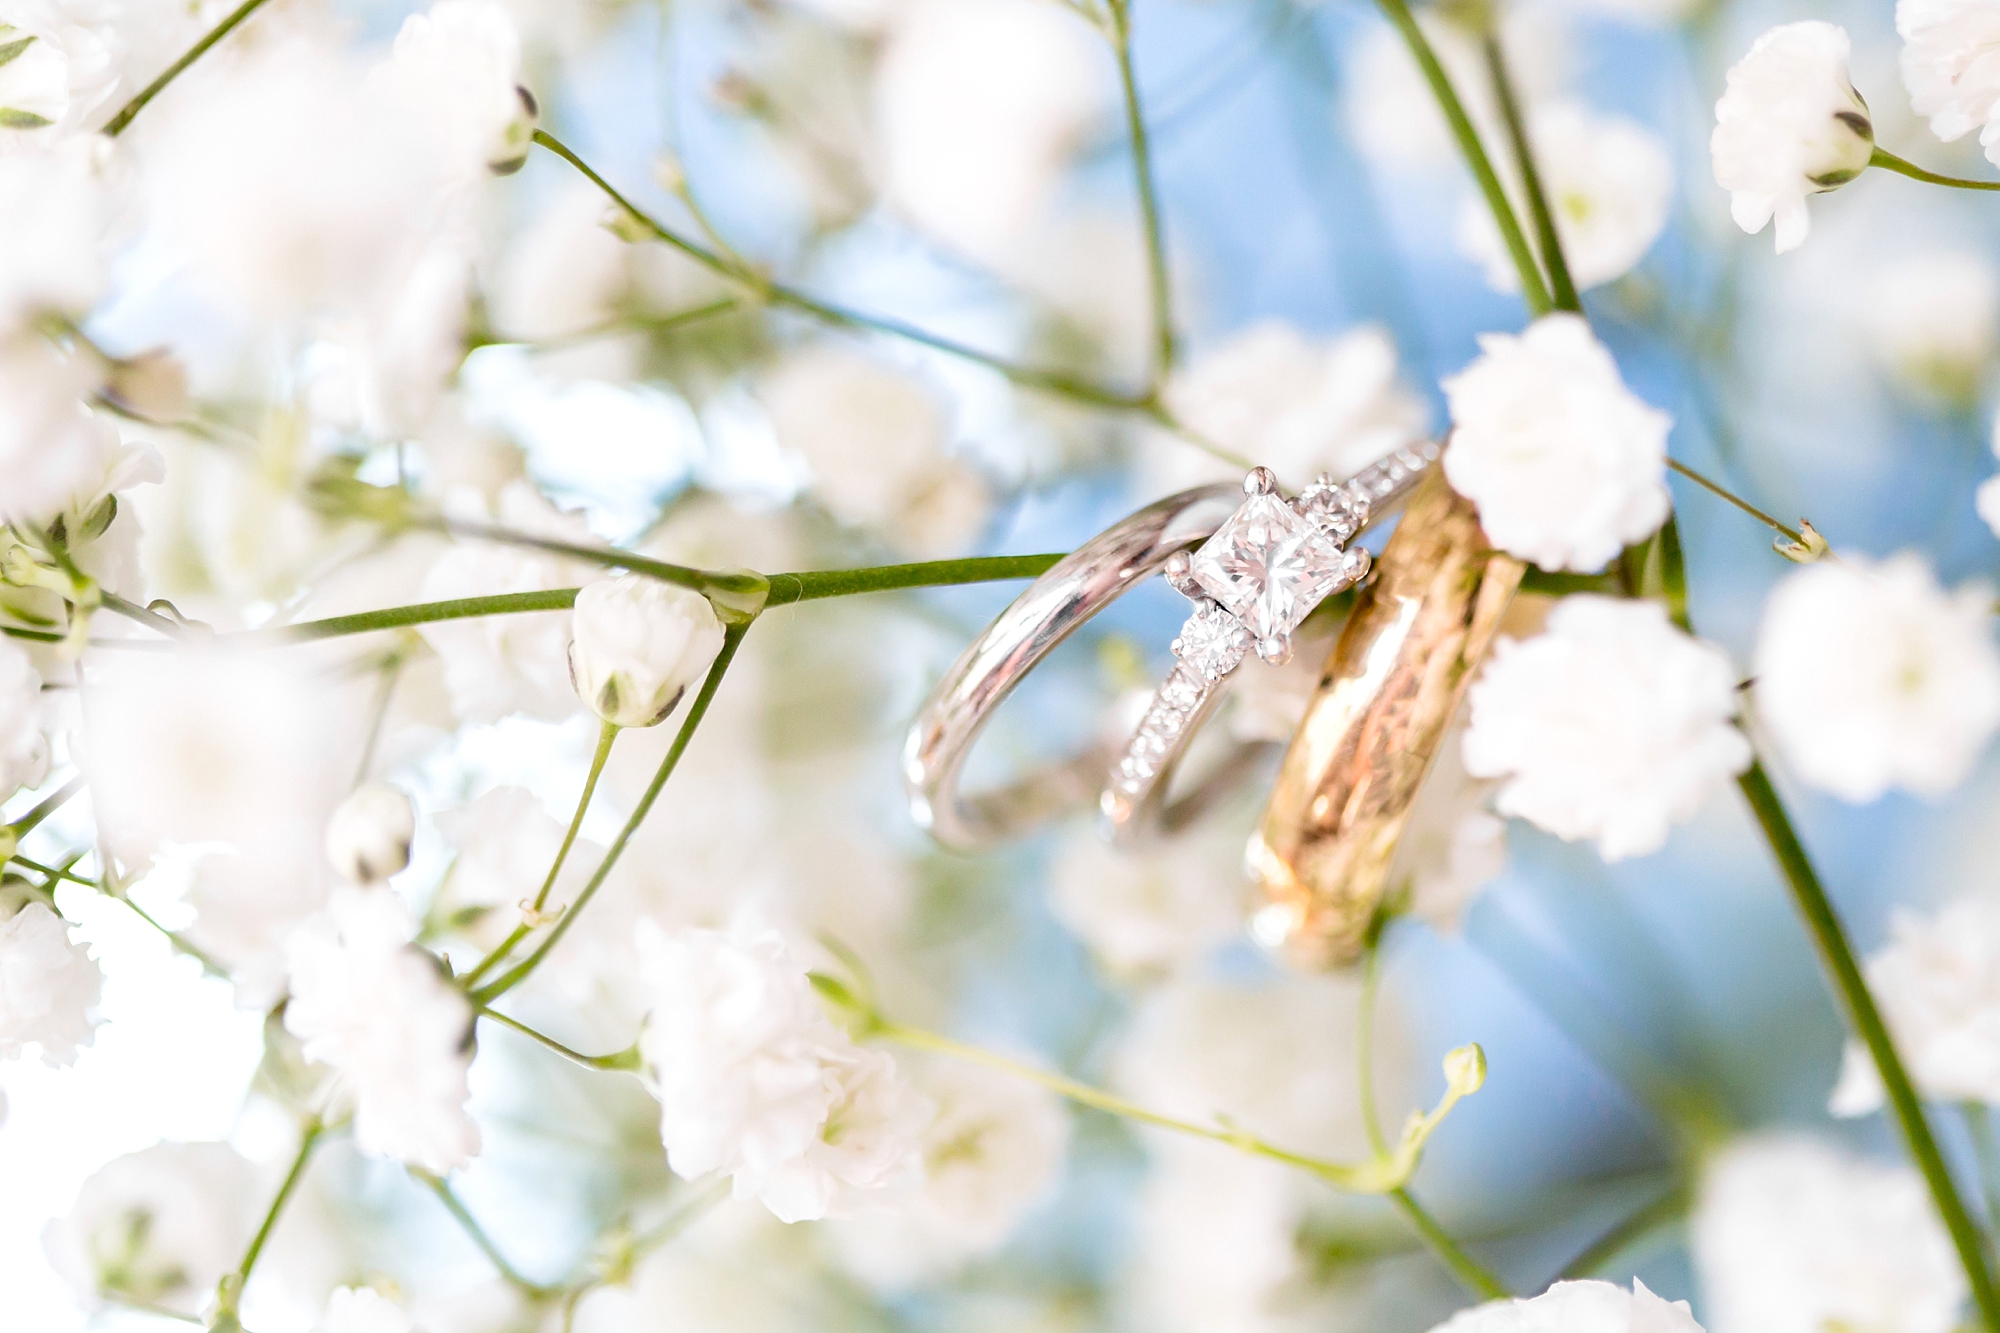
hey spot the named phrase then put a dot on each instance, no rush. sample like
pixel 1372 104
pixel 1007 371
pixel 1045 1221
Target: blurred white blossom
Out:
pixel 291 188
pixel 1871 676
pixel 979 103
pixel 54 450
pixel 1608 183
pixel 49 985
pixel 1299 405
pixel 395 1033
pixel 368 838
pixel 1154 909
pixel 24 750
pixel 504 843
pixel 1218 1247
pixel 62 65
pixel 1453 845
pixel 1793 1236
pixel 1948 67
pixel 1566 464
pixel 1937 982
pixel 1578 1307
pixel 459 68
pixel 1933 317
pixel 876 442
pixel 386 371
pixel 991 1152
pixel 157 1228
pixel 55 210
pixel 756 1082
pixel 1394 113
pixel 497 665
pixel 1612 725
pixel 363 1310
pixel 1790 125
pixel 277 749
pixel 637 644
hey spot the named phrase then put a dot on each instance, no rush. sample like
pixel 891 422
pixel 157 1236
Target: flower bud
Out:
pixel 368 838
pixel 636 643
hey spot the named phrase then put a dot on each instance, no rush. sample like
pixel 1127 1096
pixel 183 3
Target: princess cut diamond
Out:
pixel 1269 567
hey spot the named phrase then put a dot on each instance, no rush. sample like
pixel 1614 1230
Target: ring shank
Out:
pixel 1323 854
pixel 1055 606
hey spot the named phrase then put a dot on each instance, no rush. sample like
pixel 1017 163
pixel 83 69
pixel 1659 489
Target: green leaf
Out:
pixel 13 119
pixel 10 50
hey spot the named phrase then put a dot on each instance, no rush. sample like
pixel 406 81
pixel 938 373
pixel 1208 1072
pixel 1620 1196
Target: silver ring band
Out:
pixel 1079 586
pixel 1259 575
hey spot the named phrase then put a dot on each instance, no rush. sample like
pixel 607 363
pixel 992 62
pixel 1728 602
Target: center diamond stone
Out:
pixel 1269 567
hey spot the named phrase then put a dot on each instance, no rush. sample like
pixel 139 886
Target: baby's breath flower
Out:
pixel 1789 125
pixel 49 985
pixel 363 1310
pixel 1566 464
pixel 1610 725
pixel 1948 67
pixel 1871 676
pixel 368 838
pixel 1938 984
pixel 1578 1307
pixel 637 645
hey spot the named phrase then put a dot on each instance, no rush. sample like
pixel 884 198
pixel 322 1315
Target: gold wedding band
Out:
pixel 1418 633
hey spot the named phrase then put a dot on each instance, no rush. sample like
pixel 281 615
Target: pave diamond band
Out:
pixel 1252 583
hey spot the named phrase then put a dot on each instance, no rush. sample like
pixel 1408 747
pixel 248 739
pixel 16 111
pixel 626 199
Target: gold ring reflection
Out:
pixel 1323 854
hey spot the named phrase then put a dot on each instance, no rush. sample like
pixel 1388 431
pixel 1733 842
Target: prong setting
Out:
pixel 1260 481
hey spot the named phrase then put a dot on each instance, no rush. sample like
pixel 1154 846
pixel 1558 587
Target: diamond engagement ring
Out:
pixel 1057 604
pixel 1252 583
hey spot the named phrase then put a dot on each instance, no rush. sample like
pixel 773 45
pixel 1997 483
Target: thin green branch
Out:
pixel 1469 1271
pixel 613 327
pixel 477 1235
pixel 1986 1152
pixel 1724 493
pixel 152 620
pixel 1533 289
pixel 1047 381
pixel 606 734
pixel 116 125
pixel 625 1060
pixel 1562 291
pixel 1383 1173
pixel 1837 957
pixel 310 1133
pixel 786 589
pixel 710 583
pixel 53 872
pixel 1463 1266
pixel 1149 200
pixel 732 638
pixel 47 806
pixel 1888 161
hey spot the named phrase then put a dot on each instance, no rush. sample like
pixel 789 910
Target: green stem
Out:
pixel 1463 1266
pixel 132 611
pixel 378 716
pixel 47 806
pixel 1562 291
pixel 1047 381
pixel 1837 957
pixel 1722 492
pixel 606 734
pixel 614 327
pixel 1532 288
pixel 1888 161
pixel 732 637
pixel 707 582
pixel 309 1137
pixel 116 125
pixel 786 589
pixel 54 872
pixel 1979 1128
pixel 626 1060
pixel 1149 202
pixel 477 1234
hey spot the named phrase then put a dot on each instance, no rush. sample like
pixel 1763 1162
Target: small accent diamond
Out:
pixel 1212 642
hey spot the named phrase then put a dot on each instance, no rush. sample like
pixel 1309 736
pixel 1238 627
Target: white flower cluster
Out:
pixel 1948 67
pixel 395 1034
pixel 1790 125
pixel 1566 464
pixel 1870 676
pixel 1578 1307
pixel 1611 725
pixel 757 1083
pixel 1937 983
pixel 49 985
pixel 1299 405
pixel 1793 1236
